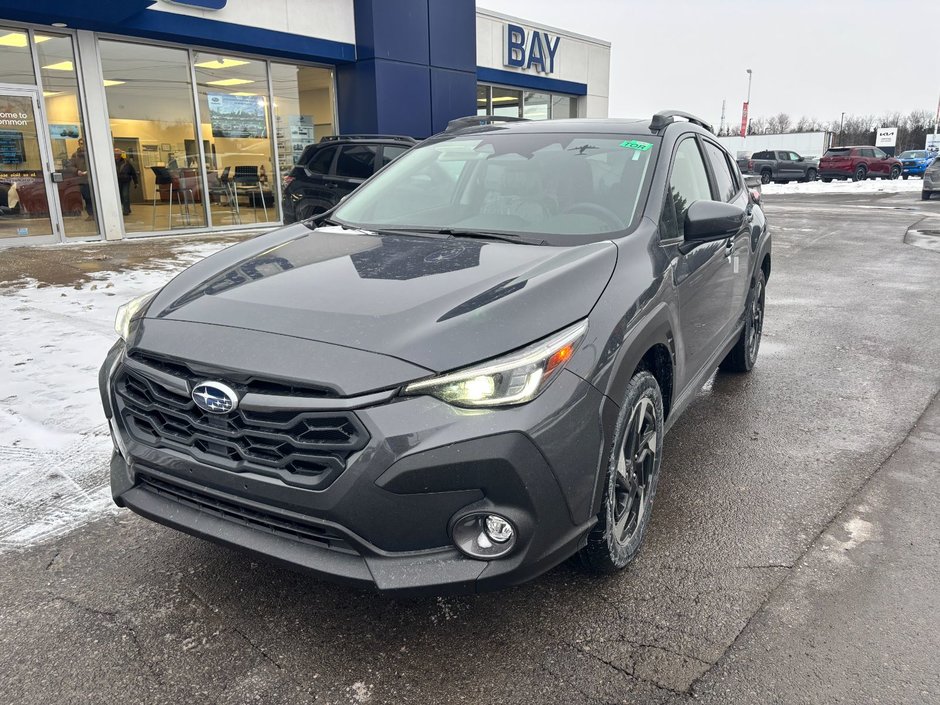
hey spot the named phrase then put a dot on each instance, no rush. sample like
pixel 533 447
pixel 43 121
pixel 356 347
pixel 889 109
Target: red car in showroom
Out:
pixel 858 164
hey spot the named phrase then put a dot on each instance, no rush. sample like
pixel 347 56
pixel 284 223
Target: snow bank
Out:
pixel 54 442
pixel 847 187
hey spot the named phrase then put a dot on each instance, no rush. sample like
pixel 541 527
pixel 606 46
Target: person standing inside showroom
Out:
pixel 125 174
pixel 79 162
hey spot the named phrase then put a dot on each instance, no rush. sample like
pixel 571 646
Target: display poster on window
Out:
pixel 237 116
pixel 64 132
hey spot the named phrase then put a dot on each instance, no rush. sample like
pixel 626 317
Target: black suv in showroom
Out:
pixel 334 168
pixel 462 375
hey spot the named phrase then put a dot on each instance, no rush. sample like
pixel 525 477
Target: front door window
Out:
pixel 24 191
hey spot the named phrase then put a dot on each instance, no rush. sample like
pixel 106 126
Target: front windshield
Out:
pixel 562 184
pixel 913 154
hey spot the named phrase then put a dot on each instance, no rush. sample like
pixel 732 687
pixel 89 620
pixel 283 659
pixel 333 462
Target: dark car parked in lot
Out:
pixel 334 168
pixel 781 166
pixel 462 375
pixel 858 164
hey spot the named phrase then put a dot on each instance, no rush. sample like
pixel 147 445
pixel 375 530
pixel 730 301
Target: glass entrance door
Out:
pixel 27 208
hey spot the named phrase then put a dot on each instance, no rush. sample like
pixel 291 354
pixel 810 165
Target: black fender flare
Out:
pixel 653 328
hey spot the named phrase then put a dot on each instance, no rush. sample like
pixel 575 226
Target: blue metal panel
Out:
pixel 530 81
pixel 453 95
pixel 355 98
pixel 453 36
pixel 403 97
pixel 392 29
pixel 72 12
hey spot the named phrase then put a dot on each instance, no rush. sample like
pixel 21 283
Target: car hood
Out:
pixel 440 303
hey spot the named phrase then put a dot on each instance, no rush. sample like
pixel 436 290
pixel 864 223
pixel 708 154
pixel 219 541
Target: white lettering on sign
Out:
pixel 14 119
pixel 529 49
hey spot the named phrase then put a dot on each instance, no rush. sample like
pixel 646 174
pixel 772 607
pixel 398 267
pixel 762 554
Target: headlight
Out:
pixel 127 312
pixel 513 379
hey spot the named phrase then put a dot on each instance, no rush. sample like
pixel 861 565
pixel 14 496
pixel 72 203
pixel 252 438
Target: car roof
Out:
pixel 614 126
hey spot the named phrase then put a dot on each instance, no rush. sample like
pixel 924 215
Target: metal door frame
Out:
pixel 45 150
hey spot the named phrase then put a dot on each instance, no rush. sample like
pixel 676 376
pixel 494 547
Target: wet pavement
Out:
pixel 792 555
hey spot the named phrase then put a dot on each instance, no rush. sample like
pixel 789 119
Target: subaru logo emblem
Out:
pixel 215 397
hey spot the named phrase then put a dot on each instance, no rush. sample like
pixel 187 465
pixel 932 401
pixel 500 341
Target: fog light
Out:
pixel 484 536
pixel 498 528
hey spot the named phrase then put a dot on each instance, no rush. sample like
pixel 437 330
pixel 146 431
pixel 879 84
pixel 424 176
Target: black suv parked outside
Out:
pixel 335 167
pixel 462 375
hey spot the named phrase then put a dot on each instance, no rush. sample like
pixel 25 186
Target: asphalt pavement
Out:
pixel 792 556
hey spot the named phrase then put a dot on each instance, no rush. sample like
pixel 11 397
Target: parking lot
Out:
pixel 792 553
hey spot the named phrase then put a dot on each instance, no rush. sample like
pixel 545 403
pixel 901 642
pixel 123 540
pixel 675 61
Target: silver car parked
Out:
pixel 931 180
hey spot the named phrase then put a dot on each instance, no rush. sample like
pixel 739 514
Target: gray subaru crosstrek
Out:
pixel 462 375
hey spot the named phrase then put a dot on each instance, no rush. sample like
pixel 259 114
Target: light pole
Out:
pixel 747 105
pixel 841 138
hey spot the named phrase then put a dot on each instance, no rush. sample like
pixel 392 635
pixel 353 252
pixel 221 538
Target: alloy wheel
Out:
pixel 635 466
pixel 756 321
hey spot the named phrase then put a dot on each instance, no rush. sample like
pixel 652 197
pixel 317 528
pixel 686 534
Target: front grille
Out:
pixel 250 384
pixel 302 448
pixel 254 517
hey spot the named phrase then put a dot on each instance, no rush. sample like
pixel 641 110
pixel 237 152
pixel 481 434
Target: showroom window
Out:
pixel 304 103
pixel 533 105
pixel 153 125
pixel 236 138
pixel 66 131
pixel 16 64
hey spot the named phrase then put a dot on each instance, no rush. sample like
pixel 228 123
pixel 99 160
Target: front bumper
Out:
pixel 384 522
pixel 913 170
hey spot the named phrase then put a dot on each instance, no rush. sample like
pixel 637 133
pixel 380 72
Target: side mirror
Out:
pixel 708 221
pixel 800 159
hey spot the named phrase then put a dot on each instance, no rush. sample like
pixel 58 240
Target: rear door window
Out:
pixel 391 153
pixel 724 180
pixel 356 161
pixel 322 160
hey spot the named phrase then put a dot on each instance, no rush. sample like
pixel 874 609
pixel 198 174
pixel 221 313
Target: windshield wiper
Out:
pixel 477 235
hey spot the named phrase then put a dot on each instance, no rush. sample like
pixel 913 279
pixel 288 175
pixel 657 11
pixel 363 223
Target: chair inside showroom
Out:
pixel 221 186
pixel 247 178
pixel 163 177
pixel 188 180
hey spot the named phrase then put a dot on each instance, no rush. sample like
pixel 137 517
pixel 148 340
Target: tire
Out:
pixel 925 195
pixel 826 180
pixel 631 480
pixel 895 173
pixel 765 176
pixel 743 355
pixel 905 177
pixel 307 210
pixel 860 173
pixel 810 175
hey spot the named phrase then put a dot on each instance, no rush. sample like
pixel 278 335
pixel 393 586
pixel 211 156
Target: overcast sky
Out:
pixel 810 57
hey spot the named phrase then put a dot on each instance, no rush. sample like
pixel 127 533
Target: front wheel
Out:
pixel 743 355
pixel 905 177
pixel 632 476
pixel 925 195
pixel 895 173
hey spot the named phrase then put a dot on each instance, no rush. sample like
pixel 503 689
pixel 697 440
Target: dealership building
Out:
pixel 124 118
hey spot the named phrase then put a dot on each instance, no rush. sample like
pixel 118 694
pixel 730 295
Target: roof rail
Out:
pixel 397 138
pixel 667 117
pixel 478 120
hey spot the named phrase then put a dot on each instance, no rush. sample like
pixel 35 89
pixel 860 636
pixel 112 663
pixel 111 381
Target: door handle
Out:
pixel 729 247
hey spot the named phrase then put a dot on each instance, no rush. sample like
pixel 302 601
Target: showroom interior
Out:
pixel 143 118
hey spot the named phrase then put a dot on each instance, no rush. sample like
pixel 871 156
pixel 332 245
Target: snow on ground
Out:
pixel 54 442
pixel 868 186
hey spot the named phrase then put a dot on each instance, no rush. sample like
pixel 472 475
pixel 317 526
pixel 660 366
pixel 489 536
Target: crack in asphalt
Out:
pixel 255 647
pixel 826 526
pixel 625 671
pixel 117 619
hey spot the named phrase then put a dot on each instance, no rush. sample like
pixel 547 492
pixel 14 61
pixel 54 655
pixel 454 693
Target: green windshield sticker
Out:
pixel 639 146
